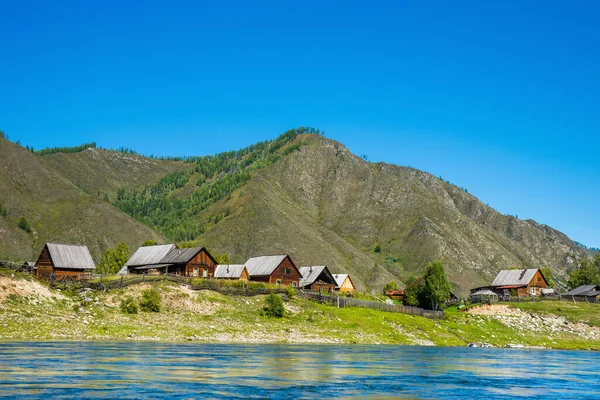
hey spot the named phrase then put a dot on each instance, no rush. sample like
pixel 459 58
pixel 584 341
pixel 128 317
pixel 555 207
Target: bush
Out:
pixel 274 306
pixel 377 248
pixel 291 292
pixel 23 224
pixel 150 301
pixel 128 306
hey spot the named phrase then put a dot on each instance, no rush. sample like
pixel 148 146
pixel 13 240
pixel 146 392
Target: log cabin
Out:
pixel 343 283
pixel 517 283
pixel 277 270
pixel 317 278
pixel 237 272
pixel 64 262
pixel 189 262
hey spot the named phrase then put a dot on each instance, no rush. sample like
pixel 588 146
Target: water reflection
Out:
pixel 184 370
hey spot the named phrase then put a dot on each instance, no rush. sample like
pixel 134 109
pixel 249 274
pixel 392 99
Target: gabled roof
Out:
pixel 70 256
pixel 311 274
pixel 340 278
pixel 584 290
pixel 264 265
pixel 514 277
pixel 231 271
pixel 484 292
pixel 181 256
pixel 149 255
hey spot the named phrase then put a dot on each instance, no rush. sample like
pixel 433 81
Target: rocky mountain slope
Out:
pixel 325 205
pixel 301 194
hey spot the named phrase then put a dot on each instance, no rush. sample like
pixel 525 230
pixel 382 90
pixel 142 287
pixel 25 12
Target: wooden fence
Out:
pixel 342 302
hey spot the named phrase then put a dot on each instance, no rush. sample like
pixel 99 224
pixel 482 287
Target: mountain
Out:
pixel 300 194
pixel 59 210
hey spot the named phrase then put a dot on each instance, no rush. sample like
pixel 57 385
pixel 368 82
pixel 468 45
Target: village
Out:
pixel 72 262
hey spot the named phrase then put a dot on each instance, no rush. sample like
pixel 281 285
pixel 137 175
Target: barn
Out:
pixel 64 262
pixel 277 270
pixel 317 278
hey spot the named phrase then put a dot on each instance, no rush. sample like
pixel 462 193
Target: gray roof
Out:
pixel 148 255
pixel 514 277
pixel 311 274
pixel 229 271
pixel 339 279
pixel 485 292
pixel 264 265
pixel 584 290
pixel 177 256
pixel 70 256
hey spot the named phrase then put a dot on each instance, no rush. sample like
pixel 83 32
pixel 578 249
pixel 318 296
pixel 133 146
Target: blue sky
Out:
pixel 500 97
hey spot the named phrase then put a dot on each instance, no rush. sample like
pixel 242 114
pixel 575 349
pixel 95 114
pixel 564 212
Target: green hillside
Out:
pixel 56 209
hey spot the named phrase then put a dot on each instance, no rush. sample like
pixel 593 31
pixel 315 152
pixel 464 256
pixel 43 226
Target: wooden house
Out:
pixel 277 270
pixel 589 293
pixel 237 272
pixel 64 262
pixel 343 283
pixel 189 262
pixel 317 278
pixel 517 282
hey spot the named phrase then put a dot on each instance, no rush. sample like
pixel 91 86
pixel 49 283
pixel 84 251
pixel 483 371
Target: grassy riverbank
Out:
pixel 31 311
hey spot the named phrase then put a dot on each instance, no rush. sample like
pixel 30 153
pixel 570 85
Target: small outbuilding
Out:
pixel 64 262
pixel 590 293
pixel 277 270
pixel 236 272
pixel 317 278
pixel 343 283
pixel 483 296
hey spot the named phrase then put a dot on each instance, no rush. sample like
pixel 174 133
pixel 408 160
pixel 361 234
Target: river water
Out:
pixel 185 370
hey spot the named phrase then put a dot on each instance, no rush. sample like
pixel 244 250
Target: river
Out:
pixel 187 370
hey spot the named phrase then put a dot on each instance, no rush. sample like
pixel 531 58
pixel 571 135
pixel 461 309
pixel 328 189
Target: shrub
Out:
pixel 291 292
pixel 150 301
pixel 128 306
pixel 274 307
pixel 23 224
pixel 377 248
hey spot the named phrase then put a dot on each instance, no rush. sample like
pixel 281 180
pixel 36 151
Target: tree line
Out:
pixel 588 273
pixel 214 177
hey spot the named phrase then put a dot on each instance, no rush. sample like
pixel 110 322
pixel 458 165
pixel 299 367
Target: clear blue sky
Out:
pixel 501 97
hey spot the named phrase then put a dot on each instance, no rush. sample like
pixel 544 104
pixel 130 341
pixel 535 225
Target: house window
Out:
pixel 294 284
pixel 278 282
pixel 533 291
pixel 195 271
pixel 204 273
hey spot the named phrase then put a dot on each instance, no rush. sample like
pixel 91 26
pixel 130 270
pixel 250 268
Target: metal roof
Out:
pixel 509 277
pixel 264 265
pixel 339 280
pixel 584 290
pixel 311 274
pixel 147 255
pixel 233 271
pixel 485 292
pixel 178 256
pixel 70 256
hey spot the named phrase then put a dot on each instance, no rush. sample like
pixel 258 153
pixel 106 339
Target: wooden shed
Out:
pixel 236 272
pixel 64 262
pixel 277 270
pixel 343 283
pixel 317 278
pixel 589 293
pixel 189 262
